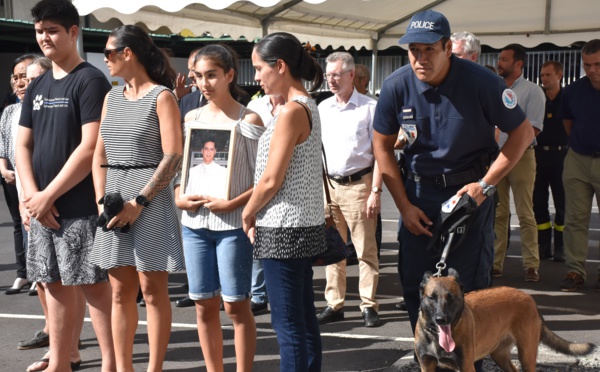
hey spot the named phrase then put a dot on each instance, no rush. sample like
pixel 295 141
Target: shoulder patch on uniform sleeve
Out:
pixel 509 98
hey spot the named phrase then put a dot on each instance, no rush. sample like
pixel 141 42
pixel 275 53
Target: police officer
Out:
pixel 448 108
pixel 550 153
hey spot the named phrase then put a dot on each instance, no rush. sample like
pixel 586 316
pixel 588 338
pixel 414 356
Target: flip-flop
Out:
pixel 39 365
pixel 74 365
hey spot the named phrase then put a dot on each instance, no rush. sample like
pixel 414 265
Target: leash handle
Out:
pixel 442 264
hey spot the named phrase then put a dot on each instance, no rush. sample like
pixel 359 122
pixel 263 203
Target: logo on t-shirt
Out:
pixel 38 102
pixel 49 103
pixel 509 98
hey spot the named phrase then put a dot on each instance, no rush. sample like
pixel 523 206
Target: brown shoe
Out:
pixel 496 273
pixel 572 282
pixel 531 275
pixel 597 286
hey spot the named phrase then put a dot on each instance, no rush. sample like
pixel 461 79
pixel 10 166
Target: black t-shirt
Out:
pixel 56 110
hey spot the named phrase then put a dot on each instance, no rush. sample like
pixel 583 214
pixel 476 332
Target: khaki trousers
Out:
pixel 581 178
pixel 349 208
pixel 521 180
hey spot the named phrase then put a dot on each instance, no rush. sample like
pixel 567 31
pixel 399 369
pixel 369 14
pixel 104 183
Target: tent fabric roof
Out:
pixel 372 24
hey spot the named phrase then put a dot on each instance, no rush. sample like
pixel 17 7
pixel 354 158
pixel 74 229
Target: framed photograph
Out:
pixel 208 159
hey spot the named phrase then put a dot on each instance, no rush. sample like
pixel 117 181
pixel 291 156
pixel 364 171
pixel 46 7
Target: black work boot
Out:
pixel 544 244
pixel 559 248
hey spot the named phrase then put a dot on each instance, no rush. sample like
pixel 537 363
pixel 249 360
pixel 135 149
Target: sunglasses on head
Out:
pixel 108 52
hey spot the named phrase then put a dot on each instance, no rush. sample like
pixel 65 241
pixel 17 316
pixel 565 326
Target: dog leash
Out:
pixel 440 266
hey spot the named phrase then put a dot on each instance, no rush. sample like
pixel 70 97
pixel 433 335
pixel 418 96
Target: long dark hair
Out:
pixel 284 46
pixel 227 59
pixel 155 61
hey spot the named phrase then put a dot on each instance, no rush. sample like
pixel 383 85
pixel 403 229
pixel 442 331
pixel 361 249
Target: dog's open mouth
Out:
pixel 445 338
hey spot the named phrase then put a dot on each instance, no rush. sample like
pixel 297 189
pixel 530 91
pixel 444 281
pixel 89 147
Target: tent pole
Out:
pixel 373 65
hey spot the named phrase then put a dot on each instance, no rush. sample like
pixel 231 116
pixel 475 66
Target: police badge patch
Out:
pixel 509 98
pixel 410 132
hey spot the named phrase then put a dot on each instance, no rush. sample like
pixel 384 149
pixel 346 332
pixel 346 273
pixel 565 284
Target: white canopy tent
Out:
pixel 372 24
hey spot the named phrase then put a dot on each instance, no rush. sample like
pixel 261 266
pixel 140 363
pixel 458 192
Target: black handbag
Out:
pixel 336 246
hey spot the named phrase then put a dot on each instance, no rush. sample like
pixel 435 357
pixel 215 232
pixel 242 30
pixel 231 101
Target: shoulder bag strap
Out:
pixel 325 171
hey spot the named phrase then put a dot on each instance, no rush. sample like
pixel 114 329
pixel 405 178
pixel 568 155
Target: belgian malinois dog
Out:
pixel 455 330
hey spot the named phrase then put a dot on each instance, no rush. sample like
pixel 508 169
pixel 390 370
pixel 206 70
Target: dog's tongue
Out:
pixel 445 336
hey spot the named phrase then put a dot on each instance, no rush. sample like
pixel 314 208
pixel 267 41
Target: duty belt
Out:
pixel 447 180
pixel 344 180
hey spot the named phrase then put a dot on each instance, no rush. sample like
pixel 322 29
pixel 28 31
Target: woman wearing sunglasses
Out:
pixel 138 153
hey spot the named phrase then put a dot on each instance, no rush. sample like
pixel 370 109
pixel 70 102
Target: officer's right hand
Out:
pixel 416 221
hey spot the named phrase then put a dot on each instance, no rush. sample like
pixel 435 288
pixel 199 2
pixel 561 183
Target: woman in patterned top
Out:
pixel 285 215
pixel 218 254
pixel 9 124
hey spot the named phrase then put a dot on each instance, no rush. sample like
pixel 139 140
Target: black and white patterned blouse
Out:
pixel 9 126
pixel 291 225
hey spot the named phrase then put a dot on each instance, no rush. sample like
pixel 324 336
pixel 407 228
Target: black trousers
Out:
pixel 548 175
pixel 12 201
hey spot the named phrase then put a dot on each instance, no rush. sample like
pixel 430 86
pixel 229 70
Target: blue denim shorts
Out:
pixel 218 262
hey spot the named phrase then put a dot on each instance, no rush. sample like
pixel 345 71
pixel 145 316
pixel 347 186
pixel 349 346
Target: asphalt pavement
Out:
pixel 347 345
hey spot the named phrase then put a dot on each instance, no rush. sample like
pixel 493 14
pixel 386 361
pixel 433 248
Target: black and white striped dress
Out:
pixel 131 135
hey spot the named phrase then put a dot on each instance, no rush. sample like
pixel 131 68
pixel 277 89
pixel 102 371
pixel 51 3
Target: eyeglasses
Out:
pixel 335 75
pixel 108 52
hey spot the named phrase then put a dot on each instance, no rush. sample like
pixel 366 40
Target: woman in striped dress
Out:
pixel 138 153
pixel 218 254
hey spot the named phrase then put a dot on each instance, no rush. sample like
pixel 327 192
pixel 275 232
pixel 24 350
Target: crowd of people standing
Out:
pixel 72 140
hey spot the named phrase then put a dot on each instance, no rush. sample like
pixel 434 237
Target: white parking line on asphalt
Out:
pixel 261 330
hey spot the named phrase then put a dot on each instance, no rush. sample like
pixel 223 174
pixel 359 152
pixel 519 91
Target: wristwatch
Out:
pixel 488 190
pixel 141 200
pixel 376 189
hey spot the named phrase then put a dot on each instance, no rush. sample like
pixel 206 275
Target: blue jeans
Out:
pixel 293 313
pixel 217 261
pixel 259 288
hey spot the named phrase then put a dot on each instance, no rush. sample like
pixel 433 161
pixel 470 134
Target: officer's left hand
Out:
pixel 475 191
pixel 373 205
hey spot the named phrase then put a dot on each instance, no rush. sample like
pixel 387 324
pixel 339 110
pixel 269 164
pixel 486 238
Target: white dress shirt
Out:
pixel 347 133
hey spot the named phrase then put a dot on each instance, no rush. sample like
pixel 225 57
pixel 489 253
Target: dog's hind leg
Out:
pixel 501 355
pixel 528 355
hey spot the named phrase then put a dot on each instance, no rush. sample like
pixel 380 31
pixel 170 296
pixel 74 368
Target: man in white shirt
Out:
pixel 208 178
pixel 347 128
pixel 531 99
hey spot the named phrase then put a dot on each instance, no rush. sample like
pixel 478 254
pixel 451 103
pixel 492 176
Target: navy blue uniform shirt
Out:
pixel 450 126
pixel 554 133
pixel 580 102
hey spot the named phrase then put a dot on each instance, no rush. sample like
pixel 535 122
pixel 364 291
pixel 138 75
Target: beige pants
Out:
pixel 581 177
pixel 349 208
pixel 520 179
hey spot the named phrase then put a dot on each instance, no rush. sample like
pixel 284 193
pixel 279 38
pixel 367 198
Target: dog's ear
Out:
pixel 427 276
pixel 424 282
pixel 452 272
